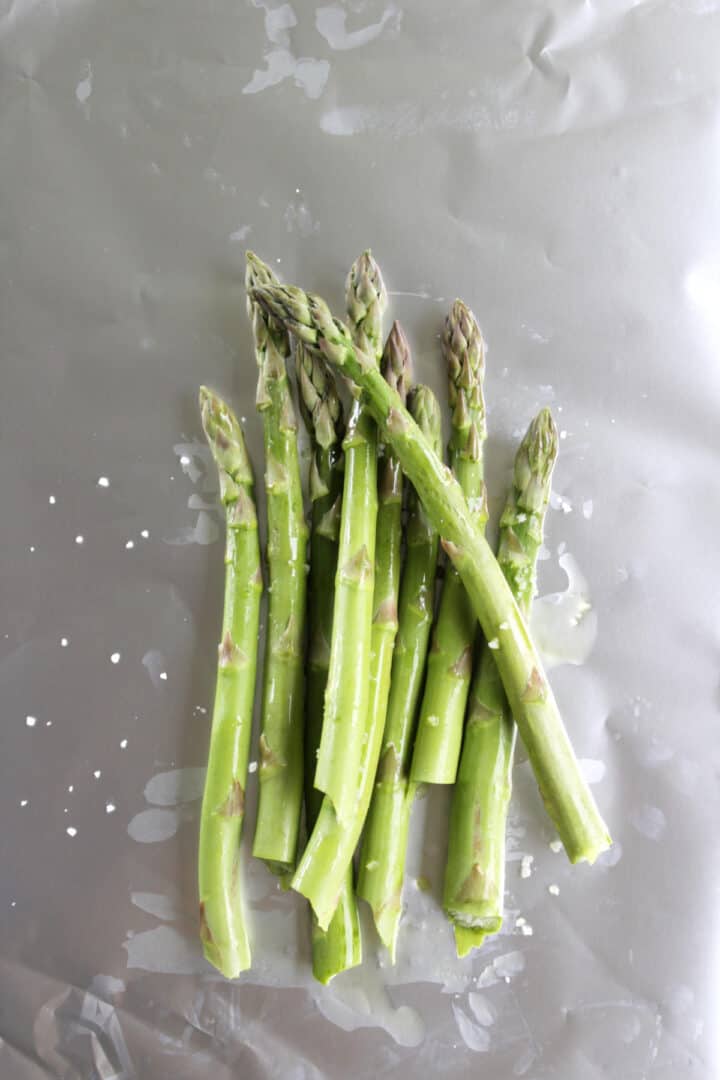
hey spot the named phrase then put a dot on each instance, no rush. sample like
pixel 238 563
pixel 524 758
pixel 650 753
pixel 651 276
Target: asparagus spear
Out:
pixel 340 946
pixel 382 858
pixel 222 921
pixel 565 793
pixel 346 696
pixel 281 737
pixel 475 874
pixel 331 845
pixel 439 734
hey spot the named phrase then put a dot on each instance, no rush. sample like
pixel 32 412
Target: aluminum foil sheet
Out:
pixel 555 164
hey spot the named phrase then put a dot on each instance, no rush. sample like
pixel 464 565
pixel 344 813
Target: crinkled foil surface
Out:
pixel 558 166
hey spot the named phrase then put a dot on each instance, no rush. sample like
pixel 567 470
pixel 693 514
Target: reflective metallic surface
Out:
pixel 556 165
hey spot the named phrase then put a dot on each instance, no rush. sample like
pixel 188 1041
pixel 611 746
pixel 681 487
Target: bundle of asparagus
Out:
pixel 369 619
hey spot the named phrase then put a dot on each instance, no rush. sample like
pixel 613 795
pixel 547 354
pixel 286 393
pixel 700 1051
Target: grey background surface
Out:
pixel 557 165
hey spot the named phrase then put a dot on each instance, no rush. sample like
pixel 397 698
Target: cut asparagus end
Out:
pixel 467 939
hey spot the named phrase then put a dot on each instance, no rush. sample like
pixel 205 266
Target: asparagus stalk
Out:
pixel 565 793
pixel 347 693
pixel 475 874
pixel 382 858
pixel 331 845
pixel 440 725
pixel 222 920
pixel 281 735
pixel 340 946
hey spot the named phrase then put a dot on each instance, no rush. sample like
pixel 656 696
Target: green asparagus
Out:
pixel 281 734
pixel 565 793
pixel 475 874
pixel 330 849
pixel 339 947
pixel 222 920
pixel 382 858
pixel 440 725
pixel 347 693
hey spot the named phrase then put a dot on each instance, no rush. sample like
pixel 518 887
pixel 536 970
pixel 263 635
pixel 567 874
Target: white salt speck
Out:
pixel 32 547
pixel 163 676
pixel 79 539
pixel 587 509
pixel 504 626
pixel 527 930
pixel 97 774
pixel 48 723
pixel 297 190
pixel 110 808
pixel 494 644
pixel 64 642
pixel 71 831
pixel 556 846
pixel 554 890
pixel 243 419
pixel 252 767
pixel 115 658
pixel 123 744
pixel 520 518
pixel 184 460
pixel 526 865
pixel 71 788
pixel 23 802
pixel 103 481
pixel 145 534
pixel 130 545
pixel 52 500
pixel 563 434
pixel 65 810
pixel 13 903
pixel 31 721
